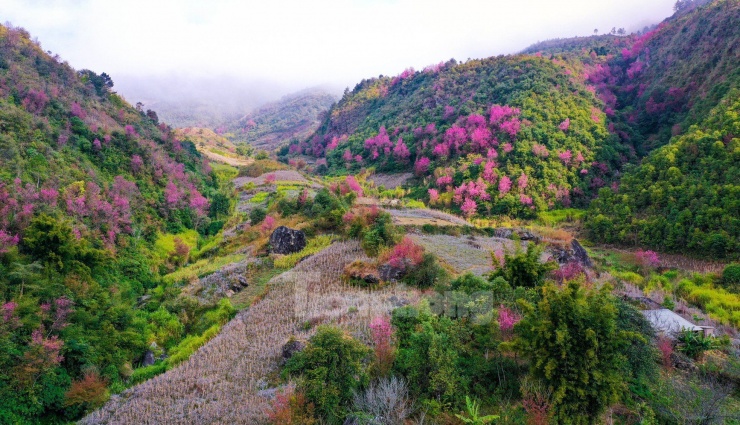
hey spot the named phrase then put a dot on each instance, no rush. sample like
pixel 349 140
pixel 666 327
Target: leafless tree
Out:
pixel 694 399
pixel 384 402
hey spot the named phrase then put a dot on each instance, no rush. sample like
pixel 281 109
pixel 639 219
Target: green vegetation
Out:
pixel 684 196
pixel 312 247
pixel 574 346
pixel 330 368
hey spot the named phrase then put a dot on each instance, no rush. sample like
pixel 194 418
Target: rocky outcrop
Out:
pixel 574 253
pixel 580 254
pixel 388 273
pixel 521 234
pixel 291 347
pixel 287 241
pixel 224 282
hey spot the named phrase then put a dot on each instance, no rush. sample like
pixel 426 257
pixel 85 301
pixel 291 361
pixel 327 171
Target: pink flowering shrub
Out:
pixel 540 150
pixel 404 254
pixel 267 224
pixel 507 319
pixel 433 196
pixel 7 241
pixel 567 272
pixel 565 156
pixel 382 336
pixel 665 347
pixel 504 185
pixel 469 207
pixel 522 181
pixel 565 125
pixel 353 185
pixel 422 165
pixel 647 258
pixel 401 151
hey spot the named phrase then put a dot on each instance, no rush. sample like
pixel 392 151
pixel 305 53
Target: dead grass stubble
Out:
pixel 221 381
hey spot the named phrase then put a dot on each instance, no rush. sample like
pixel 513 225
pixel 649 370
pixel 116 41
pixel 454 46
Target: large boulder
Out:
pixel 580 254
pixel 291 347
pixel 287 241
pixel 389 273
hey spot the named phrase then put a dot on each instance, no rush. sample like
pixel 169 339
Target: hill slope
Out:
pixel 92 192
pixel 509 135
pixel 684 196
pixel 520 134
pixel 295 116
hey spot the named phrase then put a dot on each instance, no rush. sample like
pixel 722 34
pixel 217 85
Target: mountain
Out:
pixel 504 135
pixel 192 101
pixel 96 198
pixel 295 116
pixel 549 128
pixel 685 196
pixel 213 146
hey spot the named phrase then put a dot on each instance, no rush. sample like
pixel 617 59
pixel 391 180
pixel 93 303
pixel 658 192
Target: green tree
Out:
pixel 331 370
pixel 574 346
pixel 524 268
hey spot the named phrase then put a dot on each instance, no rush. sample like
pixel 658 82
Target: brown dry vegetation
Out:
pixel 220 383
pixel 215 147
pixel 290 176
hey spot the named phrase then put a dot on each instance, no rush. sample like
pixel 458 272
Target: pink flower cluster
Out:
pixel 507 319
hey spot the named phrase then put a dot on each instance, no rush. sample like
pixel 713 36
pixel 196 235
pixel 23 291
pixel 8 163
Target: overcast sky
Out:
pixel 303 43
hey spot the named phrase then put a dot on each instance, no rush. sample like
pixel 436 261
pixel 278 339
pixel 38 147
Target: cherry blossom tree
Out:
pixel 422 165
pixel 504 185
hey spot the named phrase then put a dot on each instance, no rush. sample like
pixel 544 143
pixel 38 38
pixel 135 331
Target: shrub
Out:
pixel 524 268
pixel 382 335
pixel 693 344
pixel 574 346
pixel 427 274
pixel 331 369
pixel 90 392
pixel 290 407
pixel 384 402
pixel 257 215
pixel 470 283
pixel 404 255
pixel 731 274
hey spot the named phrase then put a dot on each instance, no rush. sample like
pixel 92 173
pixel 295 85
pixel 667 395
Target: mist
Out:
pixel 226 57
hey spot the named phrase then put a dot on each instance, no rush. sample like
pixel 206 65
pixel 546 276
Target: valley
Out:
pixel 547 237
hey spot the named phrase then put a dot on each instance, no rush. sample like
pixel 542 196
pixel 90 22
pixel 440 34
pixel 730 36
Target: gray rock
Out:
pixel 148 358
pixel 503 233
pixel 398 302
pixel 526 235
pixel 268 393
pixel 580 254
pixel 287 241
pixel 291 347
pixel 389 273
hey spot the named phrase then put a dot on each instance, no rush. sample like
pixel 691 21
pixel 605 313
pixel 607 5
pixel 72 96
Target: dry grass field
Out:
pixel 221 382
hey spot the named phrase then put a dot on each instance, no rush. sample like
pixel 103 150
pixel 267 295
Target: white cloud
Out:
pixel 303 43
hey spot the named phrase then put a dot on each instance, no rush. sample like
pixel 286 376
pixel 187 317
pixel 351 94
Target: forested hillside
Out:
pixel 96 199
pixel 506 135
pixel 684 196
pixel 518 135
